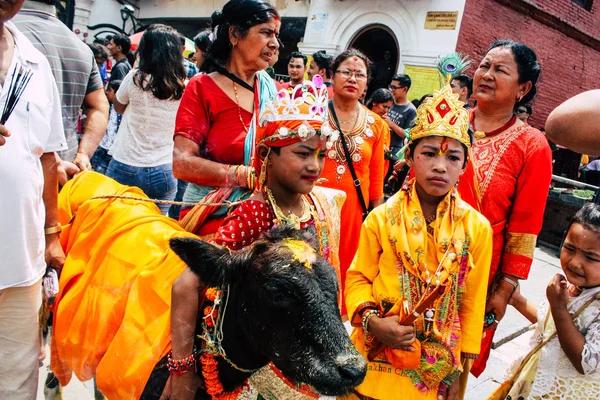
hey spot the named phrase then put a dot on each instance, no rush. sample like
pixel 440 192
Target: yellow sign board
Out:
pixel 441 20
pixel 425 80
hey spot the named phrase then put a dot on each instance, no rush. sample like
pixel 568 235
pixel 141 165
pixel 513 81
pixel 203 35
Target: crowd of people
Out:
pixel 427 211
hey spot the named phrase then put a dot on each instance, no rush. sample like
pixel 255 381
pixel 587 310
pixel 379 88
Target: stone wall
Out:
pixel 565 37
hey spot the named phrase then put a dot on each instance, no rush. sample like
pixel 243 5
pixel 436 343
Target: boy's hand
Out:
pixel 181 387
pixel 391 333
pixel 516 297
pixel 557 292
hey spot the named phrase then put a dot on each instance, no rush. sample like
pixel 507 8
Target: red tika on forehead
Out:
pixel 443 146
pixel 355 58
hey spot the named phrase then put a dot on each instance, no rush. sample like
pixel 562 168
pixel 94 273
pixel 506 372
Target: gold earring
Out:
pixel 263 171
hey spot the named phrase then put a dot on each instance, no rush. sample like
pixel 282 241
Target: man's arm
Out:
pixel 54 255
pixel 574 123
pixel 95 108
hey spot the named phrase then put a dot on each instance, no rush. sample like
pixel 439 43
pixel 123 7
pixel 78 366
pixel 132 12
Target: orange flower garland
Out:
pixel 209 363
pixel 211 379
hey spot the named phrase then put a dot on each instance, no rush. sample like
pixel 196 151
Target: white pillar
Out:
pixel 81 18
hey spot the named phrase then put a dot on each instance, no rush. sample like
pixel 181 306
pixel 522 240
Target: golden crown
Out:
pixel 442 115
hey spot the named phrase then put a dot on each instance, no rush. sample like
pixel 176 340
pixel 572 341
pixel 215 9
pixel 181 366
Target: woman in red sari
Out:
pixel 218 109
pixel 510 175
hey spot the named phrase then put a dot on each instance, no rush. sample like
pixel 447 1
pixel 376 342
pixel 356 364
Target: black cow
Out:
pixel 282 308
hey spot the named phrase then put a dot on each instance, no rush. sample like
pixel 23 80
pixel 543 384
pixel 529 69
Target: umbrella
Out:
pixel 189 44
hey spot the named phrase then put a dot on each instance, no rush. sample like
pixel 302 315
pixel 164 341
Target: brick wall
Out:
pixel 563 35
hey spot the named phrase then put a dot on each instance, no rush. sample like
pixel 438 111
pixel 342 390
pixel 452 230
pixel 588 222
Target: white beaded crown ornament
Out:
pixel 306 103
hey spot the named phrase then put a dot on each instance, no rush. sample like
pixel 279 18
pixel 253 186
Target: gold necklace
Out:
pixel 290 219
pixel 237 100
pixel 353 119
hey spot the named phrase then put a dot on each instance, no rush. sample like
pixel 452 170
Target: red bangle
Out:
pixel 180 367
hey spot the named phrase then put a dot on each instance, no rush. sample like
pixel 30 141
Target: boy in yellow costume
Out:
pixel 416 289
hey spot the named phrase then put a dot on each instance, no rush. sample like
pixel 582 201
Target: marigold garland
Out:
pixel 210 371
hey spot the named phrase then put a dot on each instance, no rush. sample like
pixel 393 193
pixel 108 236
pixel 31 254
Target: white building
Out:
pixel 416 32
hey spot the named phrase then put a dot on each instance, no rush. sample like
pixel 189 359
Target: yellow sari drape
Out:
pixel 112 314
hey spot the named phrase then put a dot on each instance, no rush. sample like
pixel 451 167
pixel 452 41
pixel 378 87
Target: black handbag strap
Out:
pixel 359 192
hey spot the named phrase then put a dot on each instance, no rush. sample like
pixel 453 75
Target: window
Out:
pixel 587 4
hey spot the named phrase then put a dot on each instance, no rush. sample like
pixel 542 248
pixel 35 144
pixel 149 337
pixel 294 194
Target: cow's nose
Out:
pixel 352 367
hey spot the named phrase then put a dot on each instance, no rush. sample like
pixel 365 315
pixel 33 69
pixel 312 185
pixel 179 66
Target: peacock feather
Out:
pixel 452 65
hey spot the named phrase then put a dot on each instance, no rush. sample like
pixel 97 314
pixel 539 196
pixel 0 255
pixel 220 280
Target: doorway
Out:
pixel 378 43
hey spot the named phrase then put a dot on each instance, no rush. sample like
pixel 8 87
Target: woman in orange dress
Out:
pixel 364 133
pixel 510 175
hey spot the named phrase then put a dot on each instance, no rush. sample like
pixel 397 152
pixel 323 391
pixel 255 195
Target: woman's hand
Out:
pixel 499 299
pixel 181 387
pixel 557 292
pixel 391 333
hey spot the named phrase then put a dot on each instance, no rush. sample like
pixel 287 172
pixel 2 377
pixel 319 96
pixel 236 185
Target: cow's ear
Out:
pixel 209 262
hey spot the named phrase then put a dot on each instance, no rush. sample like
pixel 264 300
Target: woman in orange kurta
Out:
pixel 511 172
pixel 364 132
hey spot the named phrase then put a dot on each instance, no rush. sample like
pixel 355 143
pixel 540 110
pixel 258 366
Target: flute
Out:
pixel 409 319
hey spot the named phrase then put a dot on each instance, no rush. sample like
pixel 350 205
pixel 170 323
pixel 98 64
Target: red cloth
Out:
pixel 330 92
pixel 245 224
pixel 513 170
pixel 211 119
pixel 288 86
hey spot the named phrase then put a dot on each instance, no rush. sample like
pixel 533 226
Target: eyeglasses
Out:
pixel 360 76
pixel 521 111
pixel 392 87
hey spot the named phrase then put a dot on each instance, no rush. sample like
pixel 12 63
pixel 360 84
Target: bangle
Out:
pixel 53 229
pixel 227 175
pixel 250 178
pixel 180 367
pixel 513 283
pixel 367 318
pixel 236 178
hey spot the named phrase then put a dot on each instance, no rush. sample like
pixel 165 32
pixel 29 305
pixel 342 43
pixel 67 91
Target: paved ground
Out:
pixel 512 337
pixel 513 330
